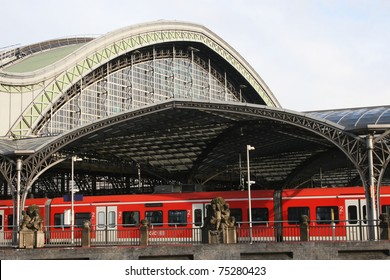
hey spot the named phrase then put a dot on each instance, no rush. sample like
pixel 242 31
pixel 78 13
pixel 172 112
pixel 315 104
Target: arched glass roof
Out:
pixel 356 118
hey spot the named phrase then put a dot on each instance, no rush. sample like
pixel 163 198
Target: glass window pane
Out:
pixel 386 209
pixel 10 221
pixel 81 217
pixel 364 218
pixel 177 217
pixel 237 214
pixel 259 216
pixel 59 220
pixel 111 219
pixel 294 214
pixel 130 218
pixel 198 217
pixel 101 219
pixel 352 214
pixel 324 214
pixel 154 217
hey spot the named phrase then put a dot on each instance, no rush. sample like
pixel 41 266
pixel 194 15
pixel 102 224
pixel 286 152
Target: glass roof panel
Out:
pixel 356 117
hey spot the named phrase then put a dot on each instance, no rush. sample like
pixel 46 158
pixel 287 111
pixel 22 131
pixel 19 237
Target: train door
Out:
pixel 106 224
pixel 356 219
pixel 198 216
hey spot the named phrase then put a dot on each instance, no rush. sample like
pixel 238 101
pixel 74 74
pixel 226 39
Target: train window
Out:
pixel 81 217
pixel 111 219
pixel 198 217
pixel 237 214
pixel 386 209
pixel 59 220
pixel 130 218
pixel 154 217
pixel 352 214
pixel 365 214
pixel 294 214
pixel 1 222
pixel 101 219
pixel 177 217
pixel 10 221
pixel 259 216
pixel 324 214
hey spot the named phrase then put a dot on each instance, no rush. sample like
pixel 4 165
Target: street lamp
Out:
pixel 249 148
pixel 72 191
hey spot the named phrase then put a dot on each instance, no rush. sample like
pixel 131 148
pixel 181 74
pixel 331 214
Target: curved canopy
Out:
pixel 199 143
pixel 53 84
pixel 354 119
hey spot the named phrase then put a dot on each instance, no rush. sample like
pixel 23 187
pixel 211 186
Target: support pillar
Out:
pixel 17 202
pixel 304 228
pixel 370 189
pixel 144 233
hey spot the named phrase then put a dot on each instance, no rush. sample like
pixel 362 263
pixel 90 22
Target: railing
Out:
pixel 262 232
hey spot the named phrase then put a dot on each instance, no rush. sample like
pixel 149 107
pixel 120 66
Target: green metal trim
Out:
pixel 4 88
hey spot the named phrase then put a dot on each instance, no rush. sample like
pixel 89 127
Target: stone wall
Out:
pixel 265 251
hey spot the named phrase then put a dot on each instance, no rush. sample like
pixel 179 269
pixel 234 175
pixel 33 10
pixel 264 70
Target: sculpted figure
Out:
pixel 220 214
pixel 32 219
pixel 26 221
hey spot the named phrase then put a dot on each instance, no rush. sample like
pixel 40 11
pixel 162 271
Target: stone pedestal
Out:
pixel 39 241
pixel 225 236
pixel 215 237
pixel 229 235
pixel 86 237
pixel 304 228
pixel 144 233
pixel 26 239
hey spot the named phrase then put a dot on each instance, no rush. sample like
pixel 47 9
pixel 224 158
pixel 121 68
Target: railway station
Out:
pixel 165 108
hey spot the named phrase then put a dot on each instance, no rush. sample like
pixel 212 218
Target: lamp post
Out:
pixel 249 148
pixel 72 191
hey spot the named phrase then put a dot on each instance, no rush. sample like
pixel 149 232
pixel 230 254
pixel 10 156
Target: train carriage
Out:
pixel 333 214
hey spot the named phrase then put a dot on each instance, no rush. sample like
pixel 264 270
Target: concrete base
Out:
pixel 39 241
pixel 26 239
pixel 215 237
pixel 86 237
pixel 367 250
pixel 230 235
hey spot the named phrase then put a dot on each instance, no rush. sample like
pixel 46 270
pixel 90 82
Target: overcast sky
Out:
pixel 313 55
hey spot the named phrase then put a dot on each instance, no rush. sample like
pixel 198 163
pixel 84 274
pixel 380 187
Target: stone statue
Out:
pixel 31 233
pixel 220 215
pixel 32 219
pixel 219 226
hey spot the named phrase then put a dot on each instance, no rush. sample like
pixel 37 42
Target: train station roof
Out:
pixel 170 102
pixel 358 119
pixel 202 143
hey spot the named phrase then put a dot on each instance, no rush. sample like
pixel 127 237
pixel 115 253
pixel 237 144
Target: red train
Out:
pixel 274 213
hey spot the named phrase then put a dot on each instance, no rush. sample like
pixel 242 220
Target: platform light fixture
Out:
pixel 249 148
pixel 72 191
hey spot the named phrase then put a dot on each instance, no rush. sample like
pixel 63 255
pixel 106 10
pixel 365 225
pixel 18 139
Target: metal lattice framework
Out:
pixel 354 147
pixel 351 145
pixel 107 48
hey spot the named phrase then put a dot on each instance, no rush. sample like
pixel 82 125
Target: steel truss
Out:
pixel 53 91
pixel 353 146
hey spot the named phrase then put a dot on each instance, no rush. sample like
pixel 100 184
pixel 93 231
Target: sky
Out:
pixel 313 55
